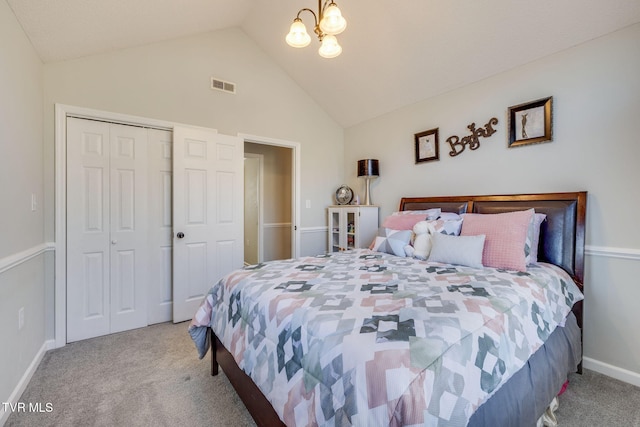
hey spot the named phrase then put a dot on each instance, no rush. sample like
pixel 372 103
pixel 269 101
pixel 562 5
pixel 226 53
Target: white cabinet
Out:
pixel 352 227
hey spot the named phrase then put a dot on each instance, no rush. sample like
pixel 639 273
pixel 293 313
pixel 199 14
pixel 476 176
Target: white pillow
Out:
pixel 462 250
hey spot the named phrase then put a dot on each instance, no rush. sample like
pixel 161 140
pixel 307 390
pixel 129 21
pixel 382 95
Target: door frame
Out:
pixel 260 237
pixel 295 183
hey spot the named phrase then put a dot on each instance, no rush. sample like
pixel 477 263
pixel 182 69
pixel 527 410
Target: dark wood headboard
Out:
pixel 562 234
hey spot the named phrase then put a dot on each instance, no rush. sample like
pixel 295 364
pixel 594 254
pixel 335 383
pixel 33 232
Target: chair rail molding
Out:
pixel 613 252
pixel 11 261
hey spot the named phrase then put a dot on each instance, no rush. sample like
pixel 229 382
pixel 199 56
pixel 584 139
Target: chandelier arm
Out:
pixel 315 17
pixel 316 21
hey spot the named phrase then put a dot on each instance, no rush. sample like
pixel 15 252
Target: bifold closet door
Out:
pixel 107 254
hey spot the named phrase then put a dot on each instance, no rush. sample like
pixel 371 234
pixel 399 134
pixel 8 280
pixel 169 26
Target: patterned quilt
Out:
pixel 369 339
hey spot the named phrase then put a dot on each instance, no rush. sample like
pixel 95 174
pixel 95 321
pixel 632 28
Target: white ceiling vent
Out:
pixel 218 84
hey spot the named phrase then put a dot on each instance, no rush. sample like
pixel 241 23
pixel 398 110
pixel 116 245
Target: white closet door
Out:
pixel 88 240
pixel 107 259
pixel 160 307
pixel 129 253
pixel 207 213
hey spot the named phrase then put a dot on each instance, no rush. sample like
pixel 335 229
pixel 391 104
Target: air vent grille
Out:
pixel 222 85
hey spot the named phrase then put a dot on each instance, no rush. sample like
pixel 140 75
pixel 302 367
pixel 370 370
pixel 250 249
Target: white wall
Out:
pixel 596 95
pixel 22 250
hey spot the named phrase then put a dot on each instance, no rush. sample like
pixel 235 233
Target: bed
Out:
pixel 376 321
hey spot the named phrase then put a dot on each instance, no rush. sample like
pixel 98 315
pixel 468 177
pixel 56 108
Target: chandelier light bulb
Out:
pixel 329 47
pixel 332 20
pixel 298 36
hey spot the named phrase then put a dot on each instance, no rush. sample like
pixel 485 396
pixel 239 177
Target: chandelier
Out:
pixel 328 22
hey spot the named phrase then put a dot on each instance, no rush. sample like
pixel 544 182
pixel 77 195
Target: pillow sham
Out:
pixel 505 233
pixel 461 250
pixel 533 237
pixel 402 222
pixel 391 241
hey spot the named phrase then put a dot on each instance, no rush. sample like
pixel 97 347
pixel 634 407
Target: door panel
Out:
pixel 160 295
pixel 88 247
pixel 106 232
pixel 129 258
pixel 208 210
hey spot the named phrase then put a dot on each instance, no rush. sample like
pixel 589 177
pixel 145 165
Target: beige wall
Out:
pixel 596 95
pixel 22 249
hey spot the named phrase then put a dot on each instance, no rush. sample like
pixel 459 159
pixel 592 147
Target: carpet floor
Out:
pixel 152 377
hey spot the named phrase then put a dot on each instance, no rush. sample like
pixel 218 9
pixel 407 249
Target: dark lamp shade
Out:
pixel 368 167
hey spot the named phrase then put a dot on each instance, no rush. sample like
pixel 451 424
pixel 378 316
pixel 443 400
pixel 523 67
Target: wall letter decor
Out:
pixel 458 145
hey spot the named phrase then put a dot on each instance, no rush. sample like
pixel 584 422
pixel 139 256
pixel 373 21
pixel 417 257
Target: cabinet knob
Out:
pixel 180 235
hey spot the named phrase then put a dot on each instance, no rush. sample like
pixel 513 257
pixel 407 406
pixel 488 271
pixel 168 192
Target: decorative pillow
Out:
pixel 391 241
pixel 433 213
pixel 402 222
pixel 462 250
pixel 505 233
pixel 451 227
pixel 449 216
pixel 533 237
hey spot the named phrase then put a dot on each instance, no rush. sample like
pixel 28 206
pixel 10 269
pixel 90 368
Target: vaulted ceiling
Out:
pixel 395 53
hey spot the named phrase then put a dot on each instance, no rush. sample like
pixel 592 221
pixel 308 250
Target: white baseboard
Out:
pixel 612 371
pixel 26 377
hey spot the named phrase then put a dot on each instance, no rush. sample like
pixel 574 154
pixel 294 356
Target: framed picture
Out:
pixel 427 145
pixel 531 123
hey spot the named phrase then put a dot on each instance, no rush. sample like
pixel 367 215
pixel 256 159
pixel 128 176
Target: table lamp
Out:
pixel 368 169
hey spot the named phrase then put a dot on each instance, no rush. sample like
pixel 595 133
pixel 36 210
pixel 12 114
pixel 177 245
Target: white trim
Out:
pixel 610 252
pixel 309 230
pixel 61 113
pixel 295 190
pixel 612 371
pixel 26 377
pixel 7 263
pixel 125 119
pixel 277 225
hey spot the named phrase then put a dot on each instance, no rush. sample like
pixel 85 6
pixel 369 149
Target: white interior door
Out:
pixel 106 230
pixel 207 213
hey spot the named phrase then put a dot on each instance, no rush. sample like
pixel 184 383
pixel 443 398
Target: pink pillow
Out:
pixel 505 237
pixel 403 222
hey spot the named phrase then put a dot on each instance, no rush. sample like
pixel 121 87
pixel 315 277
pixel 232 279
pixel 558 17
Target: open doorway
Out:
pixel 271 238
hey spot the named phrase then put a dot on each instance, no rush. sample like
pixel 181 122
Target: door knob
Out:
pixel 180 235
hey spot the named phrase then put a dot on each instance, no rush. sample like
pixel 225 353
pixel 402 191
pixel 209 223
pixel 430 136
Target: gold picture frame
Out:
pixel 427 146
pixel 531 122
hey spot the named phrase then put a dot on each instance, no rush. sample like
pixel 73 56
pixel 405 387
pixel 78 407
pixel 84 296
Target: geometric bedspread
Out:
pixel 369 339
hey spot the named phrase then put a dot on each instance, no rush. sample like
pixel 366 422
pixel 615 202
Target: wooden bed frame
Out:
pixel 562 240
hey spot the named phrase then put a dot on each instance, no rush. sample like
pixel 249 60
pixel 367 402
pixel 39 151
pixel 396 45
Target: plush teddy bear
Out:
pixel 422 242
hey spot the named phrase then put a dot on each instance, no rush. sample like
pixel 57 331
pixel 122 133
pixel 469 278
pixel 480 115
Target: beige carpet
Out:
pixel 152 377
